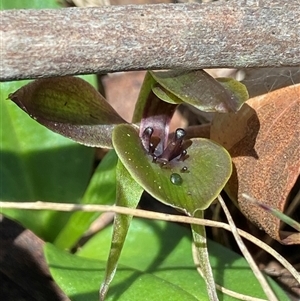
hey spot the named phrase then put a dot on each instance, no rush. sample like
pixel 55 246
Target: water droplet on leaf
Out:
pixel 176 179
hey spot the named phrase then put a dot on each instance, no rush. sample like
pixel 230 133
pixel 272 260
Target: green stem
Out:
pixel 199 236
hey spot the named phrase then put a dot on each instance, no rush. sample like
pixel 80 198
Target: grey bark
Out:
pixel 238 34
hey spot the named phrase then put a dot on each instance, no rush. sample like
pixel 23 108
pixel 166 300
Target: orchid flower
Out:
pixel 187 174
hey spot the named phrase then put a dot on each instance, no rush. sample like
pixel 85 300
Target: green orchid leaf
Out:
pixel 156 263
pixel 238 90
pixel 101 190
pixel 200 90
pixel 189 184
pixel 128 195
pixel 39 165
pixel 166 95
pixel 71 107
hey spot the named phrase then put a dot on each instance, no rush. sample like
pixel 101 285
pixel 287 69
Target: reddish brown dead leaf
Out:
pixel 263 140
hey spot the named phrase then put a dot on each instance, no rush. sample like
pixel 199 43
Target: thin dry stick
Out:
pixel 237 295
pixel 149 215
pixel 258 274
pixel 238 34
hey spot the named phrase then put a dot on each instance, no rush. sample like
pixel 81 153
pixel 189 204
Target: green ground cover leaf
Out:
pixel 156 263
pixel 39 165
pixel 101 190
pixel 23 4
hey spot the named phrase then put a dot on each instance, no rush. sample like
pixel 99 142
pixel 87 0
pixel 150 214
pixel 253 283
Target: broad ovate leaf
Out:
pixel 71 107
pixel 188 185
pixel 199 89
pixel 37 164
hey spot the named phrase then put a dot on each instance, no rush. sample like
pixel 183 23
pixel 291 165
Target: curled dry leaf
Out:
pixel 263 140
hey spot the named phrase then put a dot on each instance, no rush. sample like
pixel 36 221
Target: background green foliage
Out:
pixel 156 263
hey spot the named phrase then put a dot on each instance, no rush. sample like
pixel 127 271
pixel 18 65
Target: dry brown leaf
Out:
pixel 263 140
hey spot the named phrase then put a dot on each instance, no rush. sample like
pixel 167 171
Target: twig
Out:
pixel 149 215
pixel 258 274
pixel 238 34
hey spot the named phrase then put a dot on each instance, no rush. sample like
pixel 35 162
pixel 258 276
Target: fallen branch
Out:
pixel 43 43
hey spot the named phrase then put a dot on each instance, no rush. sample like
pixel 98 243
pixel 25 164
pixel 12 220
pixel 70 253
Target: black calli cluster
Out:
pixel 175 151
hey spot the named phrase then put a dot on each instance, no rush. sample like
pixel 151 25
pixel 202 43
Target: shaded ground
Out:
pixel 23 269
